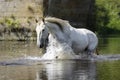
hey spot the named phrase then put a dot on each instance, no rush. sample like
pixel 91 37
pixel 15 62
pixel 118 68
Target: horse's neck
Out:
pixel 60 37
pixel 57 37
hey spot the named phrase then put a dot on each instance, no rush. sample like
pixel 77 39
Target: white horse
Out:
pixel 57 30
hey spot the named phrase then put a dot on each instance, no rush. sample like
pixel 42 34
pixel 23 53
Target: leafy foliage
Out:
pixel 108 16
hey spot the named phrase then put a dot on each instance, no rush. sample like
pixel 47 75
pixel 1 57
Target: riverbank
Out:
pixel 15 31
pixel 19 34
pixel 12 28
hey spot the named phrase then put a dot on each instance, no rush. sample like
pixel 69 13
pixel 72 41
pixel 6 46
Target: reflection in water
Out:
pixel 108 70
pixel 109 46
pixel 68 70
pixel 50 70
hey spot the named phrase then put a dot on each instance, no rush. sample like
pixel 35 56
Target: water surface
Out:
pixel 20 61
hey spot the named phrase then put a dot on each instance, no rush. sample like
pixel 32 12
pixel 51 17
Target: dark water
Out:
pixel 18 62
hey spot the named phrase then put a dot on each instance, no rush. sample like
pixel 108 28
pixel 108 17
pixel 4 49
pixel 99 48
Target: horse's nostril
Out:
pixel 41 46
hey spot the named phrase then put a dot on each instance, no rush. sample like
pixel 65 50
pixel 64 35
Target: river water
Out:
pixel 20 61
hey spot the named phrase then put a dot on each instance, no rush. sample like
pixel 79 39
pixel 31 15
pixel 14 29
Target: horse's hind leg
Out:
pixel 90 53
pixel 96 51
pixel 87 52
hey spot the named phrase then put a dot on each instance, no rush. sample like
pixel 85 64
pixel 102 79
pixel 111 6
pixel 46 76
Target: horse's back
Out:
pixel 89 33
pixel 91 37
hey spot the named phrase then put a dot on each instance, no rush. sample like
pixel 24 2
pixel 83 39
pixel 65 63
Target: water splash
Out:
pixel 59 51
pixel 93 58
pixel 107 57
pixel 30 60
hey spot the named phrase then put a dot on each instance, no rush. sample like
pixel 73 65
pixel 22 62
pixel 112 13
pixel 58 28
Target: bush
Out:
pixel 108 16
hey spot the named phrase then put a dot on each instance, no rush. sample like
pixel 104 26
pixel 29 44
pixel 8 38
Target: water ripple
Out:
pixel 29 60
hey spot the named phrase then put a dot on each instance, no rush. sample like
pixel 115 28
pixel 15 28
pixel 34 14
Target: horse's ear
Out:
pixel 43 20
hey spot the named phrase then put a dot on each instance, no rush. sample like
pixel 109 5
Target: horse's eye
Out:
pixel 43 30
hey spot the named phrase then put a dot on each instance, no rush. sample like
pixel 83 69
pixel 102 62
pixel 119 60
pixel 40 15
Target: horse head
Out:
pixel 42 33
pixel 51 25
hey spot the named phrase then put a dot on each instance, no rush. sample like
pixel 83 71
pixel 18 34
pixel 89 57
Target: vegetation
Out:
pixel 107 19
pixel 108 16
pixel 11 23
pixel 12 26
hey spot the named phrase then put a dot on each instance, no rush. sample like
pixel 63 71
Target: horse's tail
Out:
pixel 97 51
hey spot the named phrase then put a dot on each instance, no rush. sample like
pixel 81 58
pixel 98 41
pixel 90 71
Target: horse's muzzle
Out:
pixel 41 46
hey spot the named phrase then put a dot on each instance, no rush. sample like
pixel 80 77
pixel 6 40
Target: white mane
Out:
pixel 63 23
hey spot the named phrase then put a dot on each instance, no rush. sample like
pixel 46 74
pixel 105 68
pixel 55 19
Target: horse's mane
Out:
pixel 60 22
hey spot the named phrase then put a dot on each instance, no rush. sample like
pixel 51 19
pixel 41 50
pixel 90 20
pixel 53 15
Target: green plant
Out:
pixel 108 16
pixel 10 23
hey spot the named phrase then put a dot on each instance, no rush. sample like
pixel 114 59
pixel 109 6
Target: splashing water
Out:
pixel 59 51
